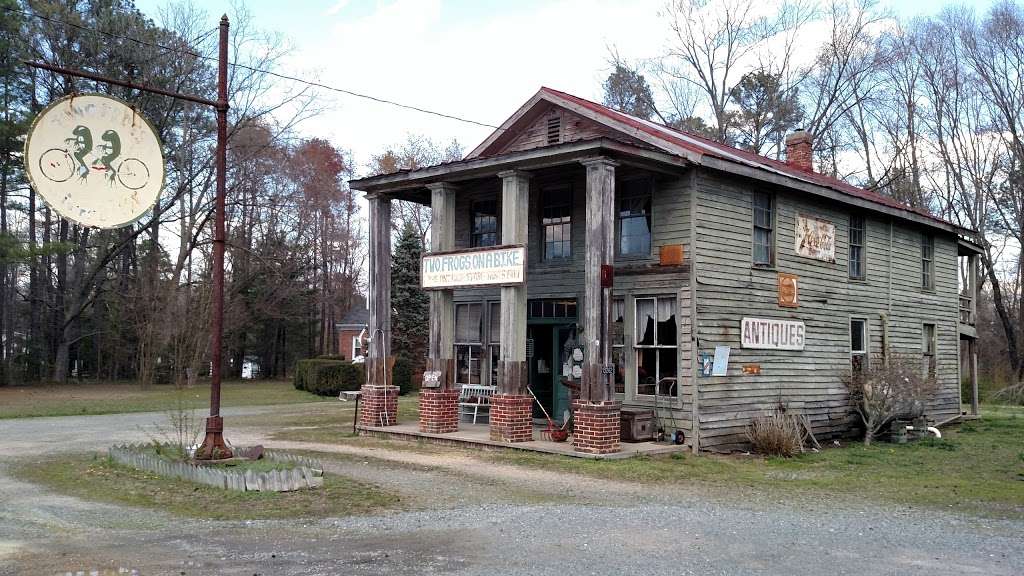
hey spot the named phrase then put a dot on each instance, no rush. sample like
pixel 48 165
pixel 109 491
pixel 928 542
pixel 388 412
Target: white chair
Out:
pixel 473 397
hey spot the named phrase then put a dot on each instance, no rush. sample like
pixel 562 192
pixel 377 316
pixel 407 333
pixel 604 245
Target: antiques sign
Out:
pixel 772 334
pixel 815 238
pixel 496 266
pixel 95 160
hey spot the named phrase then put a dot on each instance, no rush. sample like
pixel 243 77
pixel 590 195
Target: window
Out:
pixel 357 347
pixel 494 341
pixel 484 223
pixel 858 345
pixel 655 344
pixel 928 349
pixel 857 248
pixel 635 218
pixel 927 262
pixel 618 343
pixel 764 229
pixel 556 219
pixel 551 308
pixel 468 321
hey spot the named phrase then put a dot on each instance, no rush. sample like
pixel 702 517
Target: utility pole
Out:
pixel 213 447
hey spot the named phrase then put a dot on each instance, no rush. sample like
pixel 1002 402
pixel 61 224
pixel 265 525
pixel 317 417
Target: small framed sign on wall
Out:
pixel 789 293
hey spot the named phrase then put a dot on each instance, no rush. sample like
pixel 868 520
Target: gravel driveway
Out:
pixel 471 517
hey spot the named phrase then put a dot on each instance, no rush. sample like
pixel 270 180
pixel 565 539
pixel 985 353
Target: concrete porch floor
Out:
pixel 478 436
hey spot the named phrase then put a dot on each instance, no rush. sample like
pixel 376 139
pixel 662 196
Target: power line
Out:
pixel 259 70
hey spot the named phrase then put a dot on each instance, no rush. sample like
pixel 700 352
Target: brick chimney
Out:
pixel 798 150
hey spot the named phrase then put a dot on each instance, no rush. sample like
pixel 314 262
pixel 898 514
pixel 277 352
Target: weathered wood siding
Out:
pixel 729 288
pixel 572 127
pixel 670 224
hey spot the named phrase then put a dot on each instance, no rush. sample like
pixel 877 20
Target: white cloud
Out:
pixel 420 52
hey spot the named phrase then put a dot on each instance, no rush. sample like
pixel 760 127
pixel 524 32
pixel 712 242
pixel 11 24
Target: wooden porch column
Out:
pixel 379 406
pixel 597 412
pixel 511 417
pixel 972 344
pixel 439 407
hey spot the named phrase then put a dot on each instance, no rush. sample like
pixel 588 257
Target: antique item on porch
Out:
pixel 707 363
pixel 95 160
pixel 788 292
pixel 552 432
pixel 815 238
pixel 752 369
pixel 636 425
pixel 473 398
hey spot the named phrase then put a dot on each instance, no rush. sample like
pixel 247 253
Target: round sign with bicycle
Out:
pixel 95 160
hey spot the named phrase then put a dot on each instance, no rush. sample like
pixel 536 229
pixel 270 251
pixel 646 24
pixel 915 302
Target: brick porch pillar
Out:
pixel 378 406
pixel 596 427
pixel 511 418
pixel 439 411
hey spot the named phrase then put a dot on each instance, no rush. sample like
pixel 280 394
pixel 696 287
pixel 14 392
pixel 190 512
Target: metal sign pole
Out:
pixel 213 446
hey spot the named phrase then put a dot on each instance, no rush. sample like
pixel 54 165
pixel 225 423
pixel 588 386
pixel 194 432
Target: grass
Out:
pixel 978 469
pixel 97 478
pixel 332 423
pixel 113 398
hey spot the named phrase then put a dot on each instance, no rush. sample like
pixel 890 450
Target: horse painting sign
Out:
pixel 95 160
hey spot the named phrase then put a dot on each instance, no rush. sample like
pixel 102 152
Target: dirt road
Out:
pixel 467 516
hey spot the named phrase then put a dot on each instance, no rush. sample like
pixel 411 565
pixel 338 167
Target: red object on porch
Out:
pixel 379 406
pixel 596 427
pixel 439 411
pixel 511 418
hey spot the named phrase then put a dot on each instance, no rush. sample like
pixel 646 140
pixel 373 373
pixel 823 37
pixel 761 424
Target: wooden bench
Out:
pixel 473 397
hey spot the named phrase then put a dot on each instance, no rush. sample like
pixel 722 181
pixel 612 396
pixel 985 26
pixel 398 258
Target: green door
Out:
pixel 564 339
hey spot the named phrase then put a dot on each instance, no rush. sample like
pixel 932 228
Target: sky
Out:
pixel 477 59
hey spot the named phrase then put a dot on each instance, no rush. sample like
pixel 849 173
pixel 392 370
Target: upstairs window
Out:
pixel 927 262
pixel 857 240
pixel 635 218
pixel 484 224
pixel 556 221
pixel 764 229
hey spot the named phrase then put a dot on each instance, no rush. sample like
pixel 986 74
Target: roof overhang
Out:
pixel 405 182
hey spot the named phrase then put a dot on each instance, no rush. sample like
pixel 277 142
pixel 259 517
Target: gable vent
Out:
pixel 554 129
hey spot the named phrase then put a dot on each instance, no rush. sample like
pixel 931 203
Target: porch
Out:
pixel 477 436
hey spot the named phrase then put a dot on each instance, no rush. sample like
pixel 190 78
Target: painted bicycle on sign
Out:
pixel 81 158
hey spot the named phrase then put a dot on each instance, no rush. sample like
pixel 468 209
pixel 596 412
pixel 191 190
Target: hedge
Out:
pixel 328 377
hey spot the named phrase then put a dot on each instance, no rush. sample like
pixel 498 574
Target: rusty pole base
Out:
pixel 213 447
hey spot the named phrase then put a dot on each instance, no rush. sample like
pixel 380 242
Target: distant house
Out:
pixel 579 248
pixel 351 332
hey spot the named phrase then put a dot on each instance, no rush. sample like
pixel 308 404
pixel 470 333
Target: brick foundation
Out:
pixel 439 411
pixel 511 418
pixel 596 427
pixel 375 401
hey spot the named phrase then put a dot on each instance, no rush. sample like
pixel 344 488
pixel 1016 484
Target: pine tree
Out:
pixel 410 302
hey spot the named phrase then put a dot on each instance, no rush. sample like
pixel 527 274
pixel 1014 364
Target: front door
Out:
pixel 552 348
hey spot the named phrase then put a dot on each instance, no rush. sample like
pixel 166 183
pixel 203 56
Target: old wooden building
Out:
pixel 704 282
